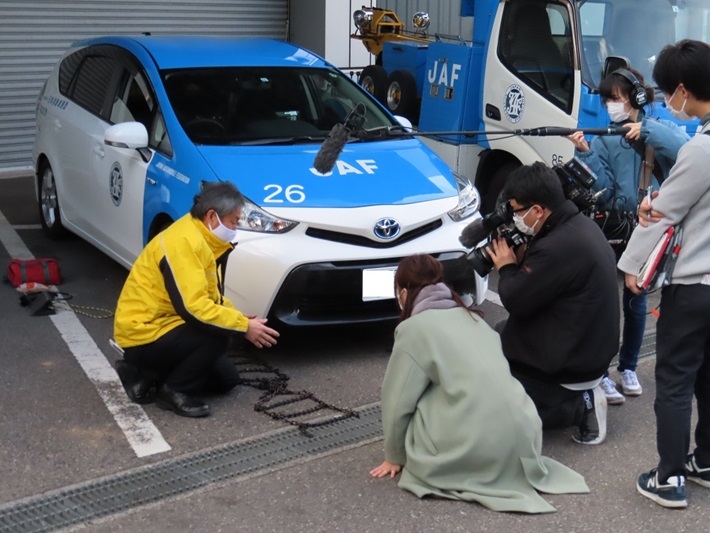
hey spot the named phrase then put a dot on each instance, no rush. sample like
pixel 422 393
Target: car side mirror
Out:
pixel 130 135
pixel 404 122
pixel 613 63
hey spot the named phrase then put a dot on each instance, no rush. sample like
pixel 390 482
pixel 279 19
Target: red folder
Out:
pixel 650 270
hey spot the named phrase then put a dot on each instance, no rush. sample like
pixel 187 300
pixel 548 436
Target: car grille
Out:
pixel 331 293
pixel 359 240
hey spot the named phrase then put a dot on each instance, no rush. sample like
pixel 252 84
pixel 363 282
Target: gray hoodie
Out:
pixel 684 199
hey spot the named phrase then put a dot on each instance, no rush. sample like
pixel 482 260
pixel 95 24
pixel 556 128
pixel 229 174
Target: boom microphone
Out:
pixel 337 138
pixel 553 130
pixel 474 233
pixel 331 148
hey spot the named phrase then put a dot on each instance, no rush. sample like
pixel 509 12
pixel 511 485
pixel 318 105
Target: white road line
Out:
pixel 493 298
pixel 141 433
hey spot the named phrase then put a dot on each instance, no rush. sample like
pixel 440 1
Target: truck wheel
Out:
pixel 49 214
pixel 402 94
pixel 495 187
pixel 374 80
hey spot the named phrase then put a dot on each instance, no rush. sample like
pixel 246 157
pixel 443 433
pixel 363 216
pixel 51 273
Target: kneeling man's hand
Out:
pixel 259 334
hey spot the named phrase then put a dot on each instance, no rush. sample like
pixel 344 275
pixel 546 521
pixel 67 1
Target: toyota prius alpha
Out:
pixel 129 127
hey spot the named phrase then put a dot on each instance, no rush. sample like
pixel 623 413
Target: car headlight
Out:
pixel 469 199
pixel 256 219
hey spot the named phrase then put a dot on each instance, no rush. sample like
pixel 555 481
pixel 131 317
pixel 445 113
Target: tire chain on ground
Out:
pixel 277 395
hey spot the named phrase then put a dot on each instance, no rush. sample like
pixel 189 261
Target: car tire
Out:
pixel 48 203
pixel 402 94
pixel 159 224
pixel 495 188
pixel 373 79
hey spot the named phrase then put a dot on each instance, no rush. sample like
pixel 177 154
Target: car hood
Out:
pixel 366 173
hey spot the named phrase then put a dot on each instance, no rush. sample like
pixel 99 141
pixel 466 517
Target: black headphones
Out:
pixel 637 96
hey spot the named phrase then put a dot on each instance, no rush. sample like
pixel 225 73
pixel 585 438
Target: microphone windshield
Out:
pixel 474 233
pixel 331 148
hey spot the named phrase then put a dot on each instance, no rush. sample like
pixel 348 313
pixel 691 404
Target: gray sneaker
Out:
pixel 613 396
pixel 630 383
pixel 592 428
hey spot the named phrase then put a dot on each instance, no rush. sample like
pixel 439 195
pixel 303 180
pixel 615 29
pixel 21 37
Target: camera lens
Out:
pixel 480 261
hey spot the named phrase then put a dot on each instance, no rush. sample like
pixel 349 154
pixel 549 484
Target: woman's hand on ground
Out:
pixel 385 469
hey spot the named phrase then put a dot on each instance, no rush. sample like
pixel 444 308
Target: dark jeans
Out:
pixel 557 406
pixel 682 368
pixel 187 360
pixel 634 327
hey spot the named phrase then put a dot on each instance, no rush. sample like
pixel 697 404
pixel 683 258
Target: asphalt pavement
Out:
pixel 60 433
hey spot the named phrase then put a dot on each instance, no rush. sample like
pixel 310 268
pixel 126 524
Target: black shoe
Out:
pixel 592 429
pixel 139 390
pixel 180 403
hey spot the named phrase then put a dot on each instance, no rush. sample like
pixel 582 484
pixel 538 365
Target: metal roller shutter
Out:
pixel 35 34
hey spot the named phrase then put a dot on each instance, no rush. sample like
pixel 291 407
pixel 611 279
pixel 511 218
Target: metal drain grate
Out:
pixel 81 503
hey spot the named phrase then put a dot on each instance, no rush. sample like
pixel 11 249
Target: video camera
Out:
pixel 576 179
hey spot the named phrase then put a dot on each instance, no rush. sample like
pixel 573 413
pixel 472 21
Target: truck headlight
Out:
pixel 255 218
pixel 469 199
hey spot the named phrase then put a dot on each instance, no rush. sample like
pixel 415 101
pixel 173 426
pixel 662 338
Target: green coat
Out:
pixel 460 424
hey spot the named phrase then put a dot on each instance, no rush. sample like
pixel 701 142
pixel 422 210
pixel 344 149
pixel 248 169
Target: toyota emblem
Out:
pixel 386 228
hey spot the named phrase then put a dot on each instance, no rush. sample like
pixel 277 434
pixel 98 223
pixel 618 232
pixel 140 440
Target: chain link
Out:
pixel 277 395
pixel 84 310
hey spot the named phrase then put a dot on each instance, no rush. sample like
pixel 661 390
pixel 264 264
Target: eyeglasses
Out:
pixel 522 209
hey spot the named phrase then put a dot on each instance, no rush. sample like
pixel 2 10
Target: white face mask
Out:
pixel 222 232
pixel 617 111
pixel 523 228
pixel 679 114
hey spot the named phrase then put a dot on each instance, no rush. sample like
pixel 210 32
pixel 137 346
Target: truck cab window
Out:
pixel 536 45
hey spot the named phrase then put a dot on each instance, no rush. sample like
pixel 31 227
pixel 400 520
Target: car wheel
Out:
pixel 402 94
pixel 495 187
pixel 374 80
pixel 49 213
pixel 159 224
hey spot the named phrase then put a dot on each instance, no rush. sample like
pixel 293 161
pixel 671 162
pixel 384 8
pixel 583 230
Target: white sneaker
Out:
pixel 613 397
pixel 630 384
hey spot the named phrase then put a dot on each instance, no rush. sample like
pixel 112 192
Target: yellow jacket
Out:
pixel 177 278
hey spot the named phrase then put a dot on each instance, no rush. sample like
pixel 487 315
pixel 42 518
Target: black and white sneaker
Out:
pixel 694 473
pixel 669 494
pixel 592 428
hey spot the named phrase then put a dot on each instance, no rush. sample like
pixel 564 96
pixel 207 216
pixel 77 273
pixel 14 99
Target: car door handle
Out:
pixel 99 151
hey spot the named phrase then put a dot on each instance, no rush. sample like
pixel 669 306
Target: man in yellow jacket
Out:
pixel 173 321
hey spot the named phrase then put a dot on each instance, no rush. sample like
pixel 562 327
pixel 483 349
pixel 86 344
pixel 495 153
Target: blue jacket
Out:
pixel 618 166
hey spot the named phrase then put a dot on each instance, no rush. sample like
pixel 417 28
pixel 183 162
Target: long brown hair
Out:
pixel 416 272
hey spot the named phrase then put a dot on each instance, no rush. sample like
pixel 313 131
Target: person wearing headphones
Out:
pixel 619 165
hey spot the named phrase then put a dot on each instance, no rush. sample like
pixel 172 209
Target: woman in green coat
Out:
pixel 456 423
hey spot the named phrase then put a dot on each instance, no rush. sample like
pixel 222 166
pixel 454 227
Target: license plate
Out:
pixel 378 283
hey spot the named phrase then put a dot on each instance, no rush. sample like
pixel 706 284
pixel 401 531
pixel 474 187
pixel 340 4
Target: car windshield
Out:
pixel 259 105
pixel 637 30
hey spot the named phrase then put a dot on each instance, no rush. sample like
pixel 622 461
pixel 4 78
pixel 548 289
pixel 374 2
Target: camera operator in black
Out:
pixel 560 290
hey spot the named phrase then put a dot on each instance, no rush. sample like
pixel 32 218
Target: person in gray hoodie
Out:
pixel 617 163
pixel 682 72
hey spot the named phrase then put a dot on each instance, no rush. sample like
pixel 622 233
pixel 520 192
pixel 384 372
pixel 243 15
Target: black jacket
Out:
pixel 563 301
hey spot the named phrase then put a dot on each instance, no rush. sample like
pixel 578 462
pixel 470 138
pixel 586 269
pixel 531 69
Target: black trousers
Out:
pixel 682 369
pixel 187 360
pixel 557 406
